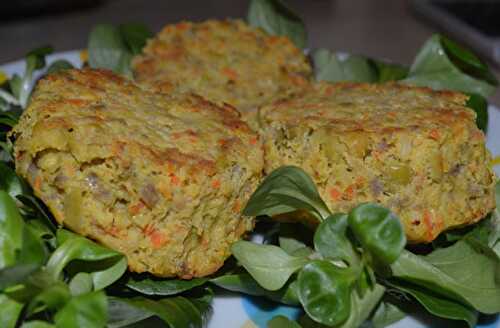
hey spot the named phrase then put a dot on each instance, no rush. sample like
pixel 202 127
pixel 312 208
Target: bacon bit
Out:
pixel 157 238
pixel 38 183
pixel 349 192
pixel 335 194
pixel 478 135
pixel 174 179
pixel 253 141
pixel 237 206
pixel 427 218
pixel 230 73
pixel 216 184
pixel 434 134
pixel 392 114
pixel 136 208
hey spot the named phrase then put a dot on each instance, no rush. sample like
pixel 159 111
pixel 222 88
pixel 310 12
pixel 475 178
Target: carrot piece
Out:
pixel 230 73
pixel 216 184
pixel 134 209
pixel 157 239
pixel 434 134
pixel 335 194
pixel 38 183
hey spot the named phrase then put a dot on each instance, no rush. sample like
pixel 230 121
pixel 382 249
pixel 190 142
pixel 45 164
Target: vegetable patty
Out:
pixel 161 178
pixel 414 150
pixel 225 62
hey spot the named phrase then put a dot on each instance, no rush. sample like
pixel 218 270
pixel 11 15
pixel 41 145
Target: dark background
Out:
pixel 378 28
pixel 371 27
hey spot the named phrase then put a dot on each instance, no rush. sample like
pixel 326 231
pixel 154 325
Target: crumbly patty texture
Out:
pixel 224 61
pixel 161 178
pixel 414 150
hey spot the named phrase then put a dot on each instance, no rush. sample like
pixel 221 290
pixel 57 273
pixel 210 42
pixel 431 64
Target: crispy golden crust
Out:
pixel 159 178
pixel 224 61
pixel 414 150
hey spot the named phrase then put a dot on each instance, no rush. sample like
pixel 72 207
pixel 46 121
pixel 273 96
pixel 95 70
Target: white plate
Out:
pixel 236 311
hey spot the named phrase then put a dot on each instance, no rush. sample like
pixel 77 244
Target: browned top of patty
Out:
pixel 368 107
pixel 225 61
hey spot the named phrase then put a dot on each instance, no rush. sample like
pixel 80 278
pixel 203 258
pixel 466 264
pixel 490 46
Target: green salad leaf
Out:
pixel 333 67
pixel 135 36
pixel 379 231
pixel 440 306
pixel 87 310
pixel 480 106
pixel 10 310
pixel 286 189
pixel 112 47
pixel 10 182
pixel 58 66
pixel 389 71
pixel 443 64
pixel 244 283
pixel 325 293
pixel 163 287
pixel 363 305
pixel 331 240
pixel 269 265
pixel 177 312
pixel 107 49
pixel 105 265
pixel 281 321
pixel 386 314
pixel 37 324
pixel 459 272
pixel 274 17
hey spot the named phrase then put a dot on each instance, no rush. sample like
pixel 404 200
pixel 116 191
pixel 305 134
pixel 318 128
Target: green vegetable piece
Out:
pixel 442 64
pixel 460 272
pixel 325 292
pixel 480 106
pixel 164 287
pixel 58 66
pixel 286 189
pixel 10 311
pixel 269 265
pixel 244 283
pixel 379 231
pixel 107 49
pixel 105 265
pixel 87 310
pixel 135 36
pixel 177 312
pixel 281 321
pixel 11 231
pixel 331 241
pixel 386 314
pixel 274 17
pixel 438 305
pixel 332 67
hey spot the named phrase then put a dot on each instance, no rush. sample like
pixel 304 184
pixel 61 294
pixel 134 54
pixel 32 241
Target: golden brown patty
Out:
pixel 413 150
pixel 224 61
pixel 160 178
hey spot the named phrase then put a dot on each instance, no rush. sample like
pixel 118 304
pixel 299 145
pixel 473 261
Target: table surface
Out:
pixel 380 29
